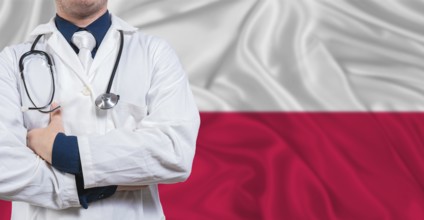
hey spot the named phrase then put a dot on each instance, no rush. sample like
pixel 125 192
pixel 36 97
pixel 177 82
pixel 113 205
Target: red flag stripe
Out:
pixel 5 209
pixel 303 166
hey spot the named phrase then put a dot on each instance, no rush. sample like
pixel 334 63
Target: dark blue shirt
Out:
pixel 98 29
pixel 65 152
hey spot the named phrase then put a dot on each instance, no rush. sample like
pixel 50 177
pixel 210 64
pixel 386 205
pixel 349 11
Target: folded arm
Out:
pixel 24 176
pixel 161 147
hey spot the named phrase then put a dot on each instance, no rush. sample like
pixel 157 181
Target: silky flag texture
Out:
pixel 311 109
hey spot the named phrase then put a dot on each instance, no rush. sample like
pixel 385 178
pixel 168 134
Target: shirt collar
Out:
pixel 98 28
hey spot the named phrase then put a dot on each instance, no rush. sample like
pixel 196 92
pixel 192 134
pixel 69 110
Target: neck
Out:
pixel 82 21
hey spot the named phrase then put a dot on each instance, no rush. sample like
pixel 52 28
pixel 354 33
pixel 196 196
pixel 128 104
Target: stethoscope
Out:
pixel 104 101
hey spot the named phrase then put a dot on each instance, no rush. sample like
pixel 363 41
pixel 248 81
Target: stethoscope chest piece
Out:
pixel 106 101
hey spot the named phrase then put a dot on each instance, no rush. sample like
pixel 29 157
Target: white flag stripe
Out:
pixel 277 55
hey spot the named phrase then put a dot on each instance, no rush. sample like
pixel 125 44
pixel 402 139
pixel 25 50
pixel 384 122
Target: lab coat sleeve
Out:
pixel 162 147
pixel 24 176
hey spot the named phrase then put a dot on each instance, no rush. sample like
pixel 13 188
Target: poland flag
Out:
pixel 311 109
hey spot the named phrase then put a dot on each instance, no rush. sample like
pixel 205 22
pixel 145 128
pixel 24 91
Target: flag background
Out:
pixel 311 109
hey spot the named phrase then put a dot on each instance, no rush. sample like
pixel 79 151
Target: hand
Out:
pixel 41 140
pixel 130 188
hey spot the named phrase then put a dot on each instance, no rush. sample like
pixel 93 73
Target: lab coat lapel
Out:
pixel 108 45
pixel 64 51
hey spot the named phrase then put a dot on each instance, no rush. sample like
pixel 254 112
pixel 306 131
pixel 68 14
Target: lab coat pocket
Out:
pixel 128 115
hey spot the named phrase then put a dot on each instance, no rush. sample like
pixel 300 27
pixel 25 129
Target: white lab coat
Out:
pixel 148 138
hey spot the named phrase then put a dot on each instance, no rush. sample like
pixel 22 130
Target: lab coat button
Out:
pixel 86 91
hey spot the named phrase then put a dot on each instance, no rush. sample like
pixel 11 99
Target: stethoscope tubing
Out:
pixel 50 63
pixel 118 58
pixel 21 70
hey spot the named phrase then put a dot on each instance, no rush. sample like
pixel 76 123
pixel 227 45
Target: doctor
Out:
pixel 81 161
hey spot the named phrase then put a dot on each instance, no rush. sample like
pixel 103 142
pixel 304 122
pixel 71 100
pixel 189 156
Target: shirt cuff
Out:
pixel 65 154
pixel 87 196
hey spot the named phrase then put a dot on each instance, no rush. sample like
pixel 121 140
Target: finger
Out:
pixel 57 113
pixel 54 105
pixel 56 123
